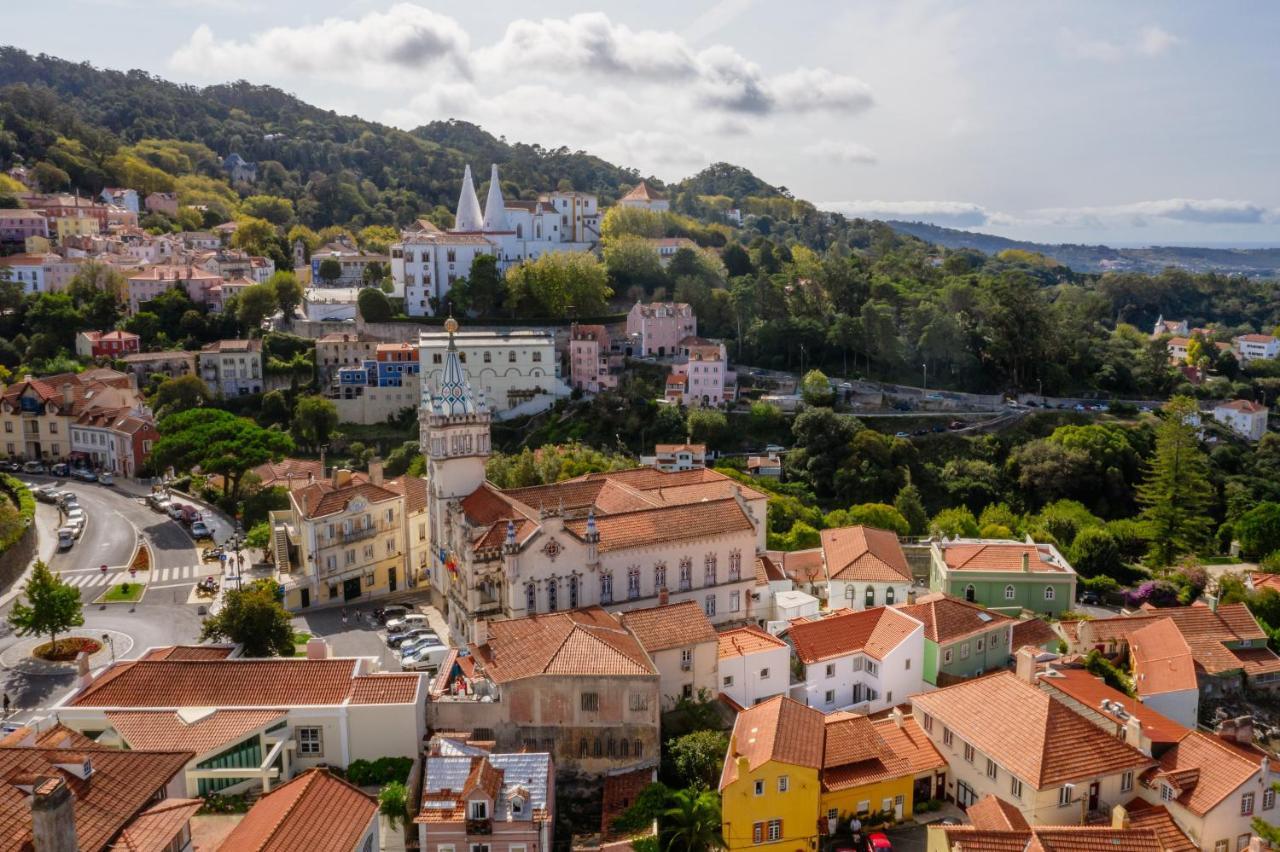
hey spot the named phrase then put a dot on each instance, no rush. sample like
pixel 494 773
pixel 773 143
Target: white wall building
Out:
pixel 1246 418
pixel 1254 347
pixel 865 567
pixel 232 367
pixel 865 661
pixel 509 368
pixel 754 666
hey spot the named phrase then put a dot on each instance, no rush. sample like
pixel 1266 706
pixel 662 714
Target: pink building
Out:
pixel 149 283
pixel 589 359
pixel 658 327
pixel 17 225
pixel 473 799
pixel 701 376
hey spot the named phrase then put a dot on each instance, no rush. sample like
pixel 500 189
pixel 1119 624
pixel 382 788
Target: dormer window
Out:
pixel 517 806
pixel 479 810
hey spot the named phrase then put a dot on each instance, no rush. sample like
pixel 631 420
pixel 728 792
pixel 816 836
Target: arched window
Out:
pixel 611 747
pixel 1049 593
pixel 573 593
pixel 624 746
pixel 531 598
pixel 870 599
pixel 598 749
pixel 637 749
pixel 584 748
pixel 970 593
pixel 553 593
pixel 888 596
pixel 1009 593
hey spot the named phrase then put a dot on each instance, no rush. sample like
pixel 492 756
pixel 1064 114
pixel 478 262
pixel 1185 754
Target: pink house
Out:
pixel 701 376
pixel 589 367
pixel 17 225
pixel 658 327
pixel 149 283
pixel 471 798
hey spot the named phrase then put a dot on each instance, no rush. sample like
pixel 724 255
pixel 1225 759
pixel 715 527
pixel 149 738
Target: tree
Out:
pixel 634 262
pixel 259 536
pixel 1259 530
pixel 288 291
pixel 706 425
pixel 1177 494
pixel 330 270
pixel 253 235
pixel 276 210
pixel 954 522
pixel 252 617
pixel 373 304
pixel 1095 553
pixel 879 515
pixel 393 802
pixel 217 441
pixel 736 260
pixel 911 507
pixel 51 606
pixel 557 281
pixel 256 304
pixel 697 757
pixel 179 394
pixel 481 292
pixel 816 388
pixel 377 239
pixel 692 822
pixel 314 419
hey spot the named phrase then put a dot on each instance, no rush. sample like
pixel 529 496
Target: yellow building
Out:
pixel 76 226
pixel 792 774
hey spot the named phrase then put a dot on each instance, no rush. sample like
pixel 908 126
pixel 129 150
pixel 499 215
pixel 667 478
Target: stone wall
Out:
pixel 16 559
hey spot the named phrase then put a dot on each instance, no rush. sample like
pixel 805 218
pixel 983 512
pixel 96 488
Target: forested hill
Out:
pixel 336 169
pixel 1255 263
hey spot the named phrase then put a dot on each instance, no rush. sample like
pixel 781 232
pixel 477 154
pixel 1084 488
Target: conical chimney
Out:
pixel 468 216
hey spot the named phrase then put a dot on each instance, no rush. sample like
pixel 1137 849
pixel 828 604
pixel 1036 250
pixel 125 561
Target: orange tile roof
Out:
pixel 414 489
pixel 583 642
pixel 287 470
pixel 746 640
pixel 1034 631
pixel 780 729
pixel 803 566
pixel 854 753
pixel 386 688
pixel 648 527
pixel 1091 691
pixel 165 730
pixel 1144 815
pixel 58 736
pixel 672 626
pixel 1162 660
pixel 313 811
pixel 768 571
pixel 1259 580
pixel 1206 631
pixel 874 632
pixel 948 619
pixel 123 785
pixel 221 683
pixel 1034 736
pixel 1205 770
pixel 321 498
pixel 864 553
pixel 992 813
pixel 154 829
pixel 1002 556
pixel 190 652
pixel 911 743
pixel 1044 838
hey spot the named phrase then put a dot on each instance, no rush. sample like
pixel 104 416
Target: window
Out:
pixel 759 787
pixel 735 601
pixel 606 588
pixel 709 570
pixel 686 574
pixel 531 597
pixel 1126 782
pixel 870 598
pixel 831 669
pixel 735 565
pixel 1049 593
pixel 928 723
pixel 1242 842
pixel 511 357
pixel 639 702
pixel 873 668
pixel 709 605
pixel 1009 593
pixel 829 697
pixel 479 810
pixel 633 582
pixel 775 830
pixel 573 593
pixel 888 596
pixel 970 593
pixel 964 651
pixel 310 742
pixel 946 656
pixel 590 701
pixel 757 832
pixel 1166 793
pixel 1064 796
pixel 992 770
pixel 1246 804
pixel 968 752
pixel 764 674
pixel 782 783
pixel 660 576
pixel 488 357
pixel 908 665
pixel 553 592
pixel 858 663
pixel 728 680
pixel 1222 846
pixel 1268 799
pixel 947 736
pixel 1015 787
pixel 686 657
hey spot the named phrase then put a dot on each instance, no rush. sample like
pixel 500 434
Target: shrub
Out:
pixel 1155 592
pixel 376 773
pixel 1099 665
pixel 954 522
pixel 26 506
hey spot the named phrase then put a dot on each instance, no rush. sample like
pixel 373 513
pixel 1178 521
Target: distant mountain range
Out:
pixel 1252 262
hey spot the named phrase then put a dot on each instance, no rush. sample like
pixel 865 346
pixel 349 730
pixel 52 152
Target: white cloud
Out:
pixel 1154 40
pixel 1188 210
pixel 376 49
pixel 951 214
pixel 1150 41
pixel 843 152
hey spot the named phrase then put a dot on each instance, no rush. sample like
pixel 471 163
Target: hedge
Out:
pixel 26 504
pixel 384 770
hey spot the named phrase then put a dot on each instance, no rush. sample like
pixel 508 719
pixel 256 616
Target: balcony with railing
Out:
pixel 358 533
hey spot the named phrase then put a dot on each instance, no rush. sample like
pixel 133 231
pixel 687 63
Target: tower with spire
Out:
pixel 468 217
pixel 454 429
pixel 495 207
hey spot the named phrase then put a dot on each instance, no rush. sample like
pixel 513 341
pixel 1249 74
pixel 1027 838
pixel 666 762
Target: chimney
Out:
pixel 317 649
pixel 1119 818
pixel 1136 736
pixel 897 717
pixel 53 816
pixel 664 597
pixel 66 393
pixel 341 477
pixel 1025 663
pixel 375 471
pixel 480 632
pixel 1238 730
pixel 1026 562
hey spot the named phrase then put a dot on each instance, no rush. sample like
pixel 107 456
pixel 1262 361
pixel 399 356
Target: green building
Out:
pixel 1003 575
pixel 961 639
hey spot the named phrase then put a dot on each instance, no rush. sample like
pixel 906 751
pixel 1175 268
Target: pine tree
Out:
pixel 909 504
pixel 51 606
pixel 1177 493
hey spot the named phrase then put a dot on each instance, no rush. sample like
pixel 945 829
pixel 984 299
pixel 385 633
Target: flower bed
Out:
pixel 141 559
pixel 128 592
pixel 66 650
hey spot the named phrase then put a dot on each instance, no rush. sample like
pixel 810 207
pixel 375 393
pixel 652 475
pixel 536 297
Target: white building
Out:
pixel 427 261
pixel 1254 347
pixel 682 644
pixel 643 197
pixel 700 375
pixel 865 567
pixel 1246 418
pixel 28 270
pixel 232 367
pixel 672 457
pixel 864 661
pixel 508 368
pixel 126 198
pixel 754 666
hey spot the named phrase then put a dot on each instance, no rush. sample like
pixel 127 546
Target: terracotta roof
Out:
pixel 672 449
pixel 386 688
pixel 1092 691
pixel 1260 580
pixel 414 489
pixel 58 736
pixel 854 753
pixel 672 626
pixel 642 192
pixel 154 829
pixel 947 619
pixel 1242 405
pixel 801 566
pixel 649 527
pixel 1034 631
pixel 190 652
pixel 1207 633
pixel 1044 838
pixel 1162 660
pixel 1144 815
pixel 865 554
pixel 319 499
pixel 874 632
pixel 780 729
pixel 768 571
pixel 580 642
pixel 911 743
pixel 123 785
pixel 165 730
pixel 991 813
pixel 1204 770
pixel 313 811
pixel 221 683
pixel 1257 338
pixel 746 640
pixel 1037 738
pixel 1004 556
pixel 287 470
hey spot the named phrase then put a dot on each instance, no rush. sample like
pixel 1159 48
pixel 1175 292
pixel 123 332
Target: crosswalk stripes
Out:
pixel 159 575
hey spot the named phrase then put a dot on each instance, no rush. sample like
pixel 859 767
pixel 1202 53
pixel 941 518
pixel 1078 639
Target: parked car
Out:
pixel 400 638
pixel 428 638
pixel 84 474
pixel 1091 598
pixel 956 424
pixel 105 478
pixel 199 530
pixel 11 466
pixel 394 611
pixel 76 527
pixel 46 493
pixel 902 435
pixel 407 621
pixel 33 467
pixel 425 657
pixel 66 538
pixel 878 841
pixel 175 511
pixel 60 469
pixel 159 502
pixel 74 513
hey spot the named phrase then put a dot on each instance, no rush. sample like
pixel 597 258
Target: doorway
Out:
pixel 351 589
pixel 306 598
pixel 391 579
pixel 1093 796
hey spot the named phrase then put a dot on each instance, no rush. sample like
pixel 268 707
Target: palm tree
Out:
pixel 692 822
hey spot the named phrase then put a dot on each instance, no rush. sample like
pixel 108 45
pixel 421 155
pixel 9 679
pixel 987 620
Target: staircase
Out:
pixel 280 546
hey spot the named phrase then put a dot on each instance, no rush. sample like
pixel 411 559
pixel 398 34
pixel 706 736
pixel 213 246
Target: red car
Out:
pixel 877 841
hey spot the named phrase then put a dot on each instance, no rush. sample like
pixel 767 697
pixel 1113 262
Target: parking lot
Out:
pixel 360 635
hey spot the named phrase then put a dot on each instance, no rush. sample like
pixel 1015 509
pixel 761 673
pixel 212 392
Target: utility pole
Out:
pixel 925 373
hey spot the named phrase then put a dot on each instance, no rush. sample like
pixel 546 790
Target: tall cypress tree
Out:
pixel 1177 493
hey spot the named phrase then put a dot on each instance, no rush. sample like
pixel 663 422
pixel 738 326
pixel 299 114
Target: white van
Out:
pixel 428 657
pixel 407 622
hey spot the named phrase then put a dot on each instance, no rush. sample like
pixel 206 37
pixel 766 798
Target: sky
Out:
pixel 1075 121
